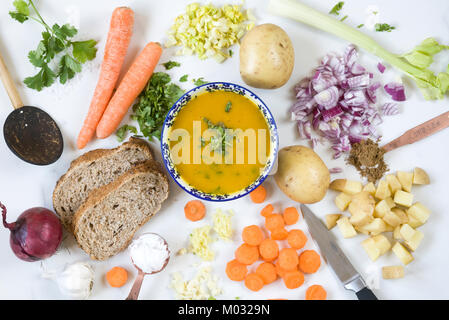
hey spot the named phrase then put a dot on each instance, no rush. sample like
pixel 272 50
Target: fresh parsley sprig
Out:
pixel 381 27
pixel 55 40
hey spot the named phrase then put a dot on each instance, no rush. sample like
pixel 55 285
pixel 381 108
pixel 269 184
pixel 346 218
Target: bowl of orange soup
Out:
pixel 219 141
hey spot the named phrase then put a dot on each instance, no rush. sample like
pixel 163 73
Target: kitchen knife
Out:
pixel 333 255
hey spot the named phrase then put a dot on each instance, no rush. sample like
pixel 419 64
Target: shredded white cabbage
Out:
pixel 207 30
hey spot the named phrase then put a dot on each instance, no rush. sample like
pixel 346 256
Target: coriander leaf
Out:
pixel 22 7
pixel 67 68
pixel 336 9
pixel 183 78
pixel 64 32
pixel 380 27
pixel 199 81
pixel 36 57
pixel 228 106
pixel 52 44
pixel 44 78
pixel 18 16
pixel 171 64
pixel 84 50
pixel 122 131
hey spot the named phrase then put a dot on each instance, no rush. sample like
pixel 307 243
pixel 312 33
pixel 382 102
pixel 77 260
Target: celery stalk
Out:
pixel 425 79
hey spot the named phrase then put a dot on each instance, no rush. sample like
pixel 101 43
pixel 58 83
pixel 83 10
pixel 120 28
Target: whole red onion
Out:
pixel 35 235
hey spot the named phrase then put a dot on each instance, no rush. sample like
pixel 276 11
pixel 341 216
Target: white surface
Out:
pixel 23 185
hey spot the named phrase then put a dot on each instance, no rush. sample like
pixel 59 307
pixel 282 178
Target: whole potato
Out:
pixel 266 57
pixel 301 174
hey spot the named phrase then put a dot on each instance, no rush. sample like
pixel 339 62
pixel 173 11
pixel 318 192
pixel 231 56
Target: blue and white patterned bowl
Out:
pixel 165 146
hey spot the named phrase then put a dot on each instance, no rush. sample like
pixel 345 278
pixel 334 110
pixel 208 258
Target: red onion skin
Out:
pixel 36 234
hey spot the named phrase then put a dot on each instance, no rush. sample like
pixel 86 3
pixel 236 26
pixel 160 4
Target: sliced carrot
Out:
pixel 254 282
pixel 247 254
pixel 269 249
pixel 274 221
pixel 119 37
pixel 288 259
pixel 296 239
pixel 117 277
pixel 309 261
pixel 252 235
pixel 258 195
pixel 236 271
pixel 281 272
pixel 267 271
pixel 194 210
pixel 316 292
pixel 130 87
pixel 290 215
pixel 293 279
pixel 279 234
pixel 267 210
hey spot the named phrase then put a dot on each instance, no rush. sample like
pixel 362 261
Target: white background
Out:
pixel 23 185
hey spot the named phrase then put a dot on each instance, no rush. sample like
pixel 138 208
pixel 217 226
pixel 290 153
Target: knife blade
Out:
pixel 335 257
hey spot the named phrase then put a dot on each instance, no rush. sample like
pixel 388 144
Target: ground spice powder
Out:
pixel 368 158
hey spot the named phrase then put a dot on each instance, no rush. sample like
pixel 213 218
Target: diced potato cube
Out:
pixel 390 202
pixel 393 272
pixel 370 188
pixel 331 220
pixel 406 180
pixel 407 232
pixel 337 185
pixel 403 198
pixel 397 233
pixel 382 243
pixel 376 227
pixel 402 253
pixel 346 228
pixel 420 176
pixel 361 230
pixel 381 209
pixel 413 222
pixel 392 219
pixel 401 214
pixel 382 191
pixel 362 203
pixel 352 187
pixel 393 183
pixel 419 211
pixel 371 248
pixel 342 201
pixel 414 242
pixel 360 219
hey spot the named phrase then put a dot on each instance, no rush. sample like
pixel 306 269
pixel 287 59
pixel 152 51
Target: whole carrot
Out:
pixel 132 84
pixel 119 36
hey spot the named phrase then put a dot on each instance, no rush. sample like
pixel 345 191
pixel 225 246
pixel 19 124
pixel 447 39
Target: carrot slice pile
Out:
pixel 258 195
pixel 274 221
pixel 236 271
pixel 254 282
pixel 309 261
pixel 296 239
pixel 267 210
pixel 247 254
pixel 269 249
pixel 291 216
pixel 293 279
pixel 267 271
pixel 252 235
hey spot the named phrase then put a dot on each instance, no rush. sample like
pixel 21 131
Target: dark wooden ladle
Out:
pixel 30 133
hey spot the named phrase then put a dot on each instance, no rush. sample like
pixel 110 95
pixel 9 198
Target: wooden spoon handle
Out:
pixel 420 132
pixel 135 290
pixel 9 85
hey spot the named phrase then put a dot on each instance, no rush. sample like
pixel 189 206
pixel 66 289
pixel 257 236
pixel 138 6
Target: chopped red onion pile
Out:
pixel 395 90
pixel 338 103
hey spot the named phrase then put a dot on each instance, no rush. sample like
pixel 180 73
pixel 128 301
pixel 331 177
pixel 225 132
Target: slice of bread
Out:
pixel 92 170
pixel 105 224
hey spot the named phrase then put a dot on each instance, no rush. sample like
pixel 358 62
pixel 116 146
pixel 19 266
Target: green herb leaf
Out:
pixel 84 50
pixel 44 78
pixel 381 27
pixel 68 67
pixel 183 78
pixel 228 106
pixel 36 57
pixel 64 32
pixel 22 11
pixel 360 25
pixel 231 53
pixel 122 131
pixel 199 81
pixel 171 64
pixel 336 9
pixel 344 18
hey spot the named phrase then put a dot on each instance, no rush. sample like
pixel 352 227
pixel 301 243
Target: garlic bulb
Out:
pixel 76 281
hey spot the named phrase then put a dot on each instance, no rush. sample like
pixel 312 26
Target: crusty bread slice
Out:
pixel 92 170
pixel 105 224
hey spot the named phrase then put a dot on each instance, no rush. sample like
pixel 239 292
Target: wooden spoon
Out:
pixel 419 132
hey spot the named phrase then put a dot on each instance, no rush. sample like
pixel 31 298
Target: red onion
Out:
pixel 395 90
pixel 35 235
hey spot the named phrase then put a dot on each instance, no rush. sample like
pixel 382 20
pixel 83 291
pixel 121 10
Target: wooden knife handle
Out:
pixel 420 132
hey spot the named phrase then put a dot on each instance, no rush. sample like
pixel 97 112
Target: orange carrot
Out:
pixel 296 239
pixel 254 282
pixel 247 254
pixel 293 279
pixel 281 272
pixel 119 36
pixel 236 271
pixel 117 277
pixel 258 195
pixel 267 271
pixel 309 261
pixel 269 250
pixel 132 84
pixel 316 292
pixel 267 210
pixel 274 221
pixel 290 215
pixel 194 210
pixel 279 234
pixel 288 259
pixel 252 235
